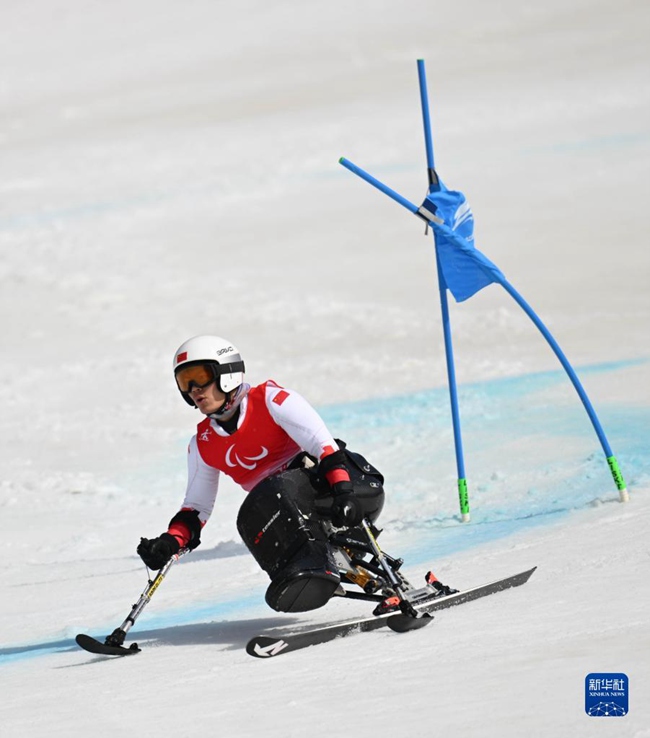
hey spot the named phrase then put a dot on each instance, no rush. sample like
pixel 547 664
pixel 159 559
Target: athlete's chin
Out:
pixel 207 407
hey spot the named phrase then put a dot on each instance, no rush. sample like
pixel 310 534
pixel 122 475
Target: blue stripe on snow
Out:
pixel 171 625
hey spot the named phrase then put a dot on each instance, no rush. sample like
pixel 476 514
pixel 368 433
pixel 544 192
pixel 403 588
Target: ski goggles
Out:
pixel 197 375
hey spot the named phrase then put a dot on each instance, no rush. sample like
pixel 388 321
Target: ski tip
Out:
pixel 522 578
pixel 84 640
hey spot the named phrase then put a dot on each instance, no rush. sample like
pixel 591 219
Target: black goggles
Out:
pixel 197 375
pixel 204 373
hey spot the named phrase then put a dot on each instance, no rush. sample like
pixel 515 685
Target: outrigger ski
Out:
pixel 266 646
pixel 88 643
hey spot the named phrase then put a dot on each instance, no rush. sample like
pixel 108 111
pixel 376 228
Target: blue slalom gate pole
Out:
pixel 426 124
pixel 434 185
pixel 463 496
pixel 379 185
pixel 446 325
pixel 611 459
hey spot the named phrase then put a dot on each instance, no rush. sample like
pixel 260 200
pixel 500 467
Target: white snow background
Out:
pixel 170 169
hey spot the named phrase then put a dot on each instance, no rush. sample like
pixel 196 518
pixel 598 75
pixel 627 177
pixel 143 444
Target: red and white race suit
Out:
pixel 274 425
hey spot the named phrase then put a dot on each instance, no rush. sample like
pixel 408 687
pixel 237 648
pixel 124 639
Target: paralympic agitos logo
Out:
pixel 241 460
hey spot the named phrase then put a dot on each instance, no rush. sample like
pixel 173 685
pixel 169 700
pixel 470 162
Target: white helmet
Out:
pixel 220 356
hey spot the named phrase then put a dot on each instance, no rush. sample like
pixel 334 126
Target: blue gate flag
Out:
pixel 465 269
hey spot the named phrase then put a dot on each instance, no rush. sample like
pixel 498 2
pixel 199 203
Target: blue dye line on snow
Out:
pixel 483 404
pixel 491 410
pixel 150 625
pixel 433 404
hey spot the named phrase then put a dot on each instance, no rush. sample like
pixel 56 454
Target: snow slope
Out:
pixel 171 169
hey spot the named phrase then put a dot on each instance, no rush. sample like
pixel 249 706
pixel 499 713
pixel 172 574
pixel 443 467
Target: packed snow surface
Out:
pixel 171 169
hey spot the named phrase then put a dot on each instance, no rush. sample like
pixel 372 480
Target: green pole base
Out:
pixel 463 498
pixel 618 479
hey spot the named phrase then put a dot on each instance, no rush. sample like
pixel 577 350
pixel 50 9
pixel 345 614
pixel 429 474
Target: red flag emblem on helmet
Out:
pixel 181 357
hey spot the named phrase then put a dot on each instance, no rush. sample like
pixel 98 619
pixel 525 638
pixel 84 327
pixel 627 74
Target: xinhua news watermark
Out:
pixel 607 695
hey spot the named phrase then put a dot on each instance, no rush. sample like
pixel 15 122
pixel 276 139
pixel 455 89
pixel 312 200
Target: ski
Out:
pixel 266 646
pixel 88 643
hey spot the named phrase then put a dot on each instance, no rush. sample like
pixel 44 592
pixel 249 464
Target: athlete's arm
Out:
pixel 305 426
pixel 299 420
pixel 202 483
pixel 200 496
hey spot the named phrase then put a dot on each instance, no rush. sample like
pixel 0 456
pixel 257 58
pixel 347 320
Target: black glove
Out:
pixel 156 552
pixel 347 510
